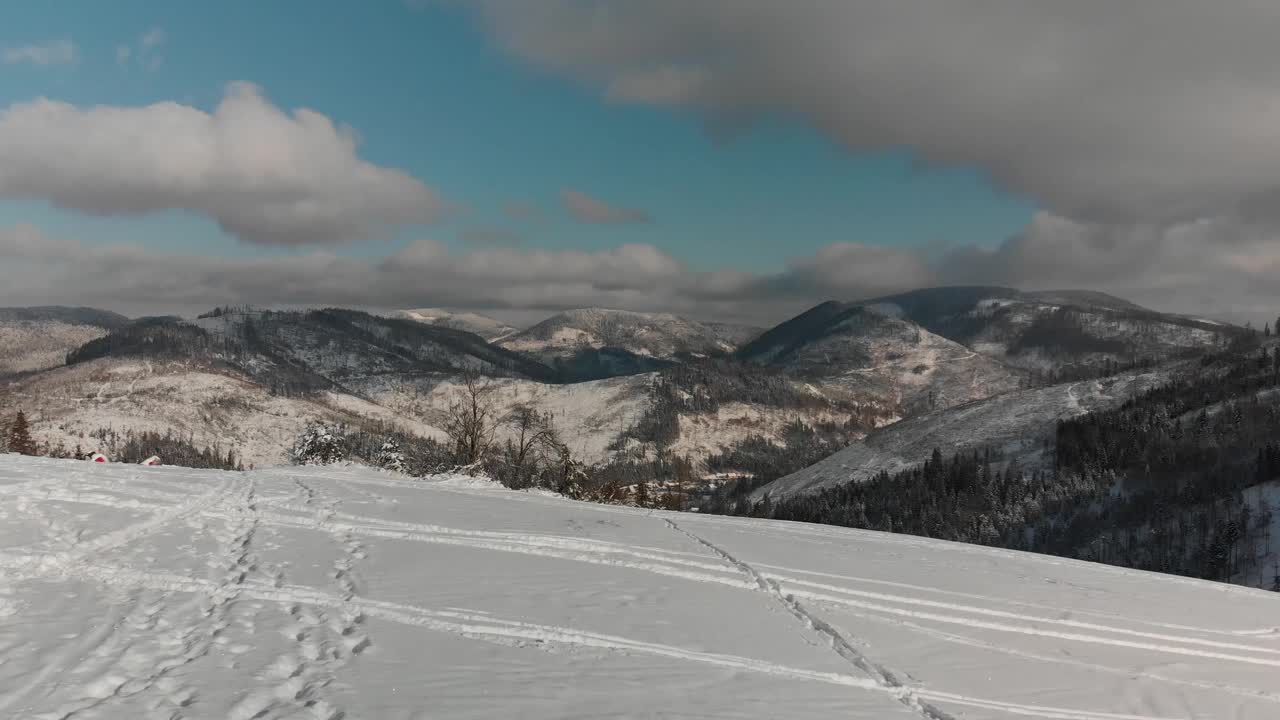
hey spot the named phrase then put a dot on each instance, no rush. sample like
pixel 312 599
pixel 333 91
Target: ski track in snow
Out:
pixel 161 621
pixel 842 647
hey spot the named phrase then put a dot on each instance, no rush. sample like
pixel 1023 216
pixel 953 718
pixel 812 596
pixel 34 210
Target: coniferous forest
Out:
pixel 1182 479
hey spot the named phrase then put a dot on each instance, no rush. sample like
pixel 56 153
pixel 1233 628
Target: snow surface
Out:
pixel 133 592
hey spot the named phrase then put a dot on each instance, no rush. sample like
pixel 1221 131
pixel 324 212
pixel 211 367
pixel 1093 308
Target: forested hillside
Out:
pixel 1180 479
pixel 296 352
pixel 38 338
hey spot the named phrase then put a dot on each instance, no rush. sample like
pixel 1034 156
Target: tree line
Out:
pixel 1180 479
pixel 518 446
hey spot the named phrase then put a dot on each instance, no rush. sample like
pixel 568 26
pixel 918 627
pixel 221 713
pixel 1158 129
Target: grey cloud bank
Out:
pixel 1188 275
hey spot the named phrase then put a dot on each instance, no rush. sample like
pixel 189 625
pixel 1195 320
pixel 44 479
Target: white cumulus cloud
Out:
pixel 265 175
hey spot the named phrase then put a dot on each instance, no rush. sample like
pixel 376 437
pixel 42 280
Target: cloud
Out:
pixel 37 269
pixel 1149 140
pixel 264 175
pixel 1218 268
pixel 846 271
pixel 587 209
pixel 60 52
pixel 1096 113
pixel 1222 268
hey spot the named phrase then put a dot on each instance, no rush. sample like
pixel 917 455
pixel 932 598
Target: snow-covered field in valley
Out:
pixel 132 592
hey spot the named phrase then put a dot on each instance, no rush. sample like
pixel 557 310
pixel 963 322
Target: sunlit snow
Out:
pixel 133 592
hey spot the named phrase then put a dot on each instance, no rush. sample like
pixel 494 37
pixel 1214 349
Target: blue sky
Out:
pixel 430 93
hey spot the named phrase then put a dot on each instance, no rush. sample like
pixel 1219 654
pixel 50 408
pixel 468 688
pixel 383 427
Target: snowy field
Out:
pixel 132 592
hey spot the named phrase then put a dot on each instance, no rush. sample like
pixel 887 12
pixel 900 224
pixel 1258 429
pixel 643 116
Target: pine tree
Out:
pixel 20 436
pixel 642 493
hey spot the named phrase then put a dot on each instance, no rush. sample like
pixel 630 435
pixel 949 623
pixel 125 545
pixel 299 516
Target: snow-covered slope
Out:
pixel 588 416
pixel 491 329
pixel 881 357
pixel 219 405
pixel 35 338
pixel 651 334
pixel 1016 422
pixel 315 349
pixel 135 592
pixel 1053 330
pixel 212 406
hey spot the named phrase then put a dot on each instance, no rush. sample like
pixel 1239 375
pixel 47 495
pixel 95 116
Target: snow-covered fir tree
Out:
pixel 320 445
pixel 390 457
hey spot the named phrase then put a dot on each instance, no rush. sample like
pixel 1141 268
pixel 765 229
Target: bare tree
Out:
pixel 611 331
pixel 471 419
pixel 532 434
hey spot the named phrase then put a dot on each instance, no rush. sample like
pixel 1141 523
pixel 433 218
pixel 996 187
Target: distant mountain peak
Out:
pixel 593 342
pixel 491 329
pixel 1049 330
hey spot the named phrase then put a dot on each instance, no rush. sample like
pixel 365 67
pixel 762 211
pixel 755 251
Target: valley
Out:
pixel 637 408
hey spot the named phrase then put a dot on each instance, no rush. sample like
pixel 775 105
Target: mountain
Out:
pixel 257 378
pixel 878 355
pixel 589 416
pixel 1019 422
pixel 36 338
pixel 593 343
pixel 347 592
pixel 1068 333
pixel 486 327
pixel 1176 470
pixel 626 388
pixel 249 380
pixel 317 349
pixel 734 334
pixel 91 402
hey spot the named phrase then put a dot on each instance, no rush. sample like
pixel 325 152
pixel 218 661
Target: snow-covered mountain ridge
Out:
pixel 878 355
pixel 37 338
pixel 592 343
pixel 344 592
pixel 1054 331
pixel 491 329
pixel 853 365
pixel 650 334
